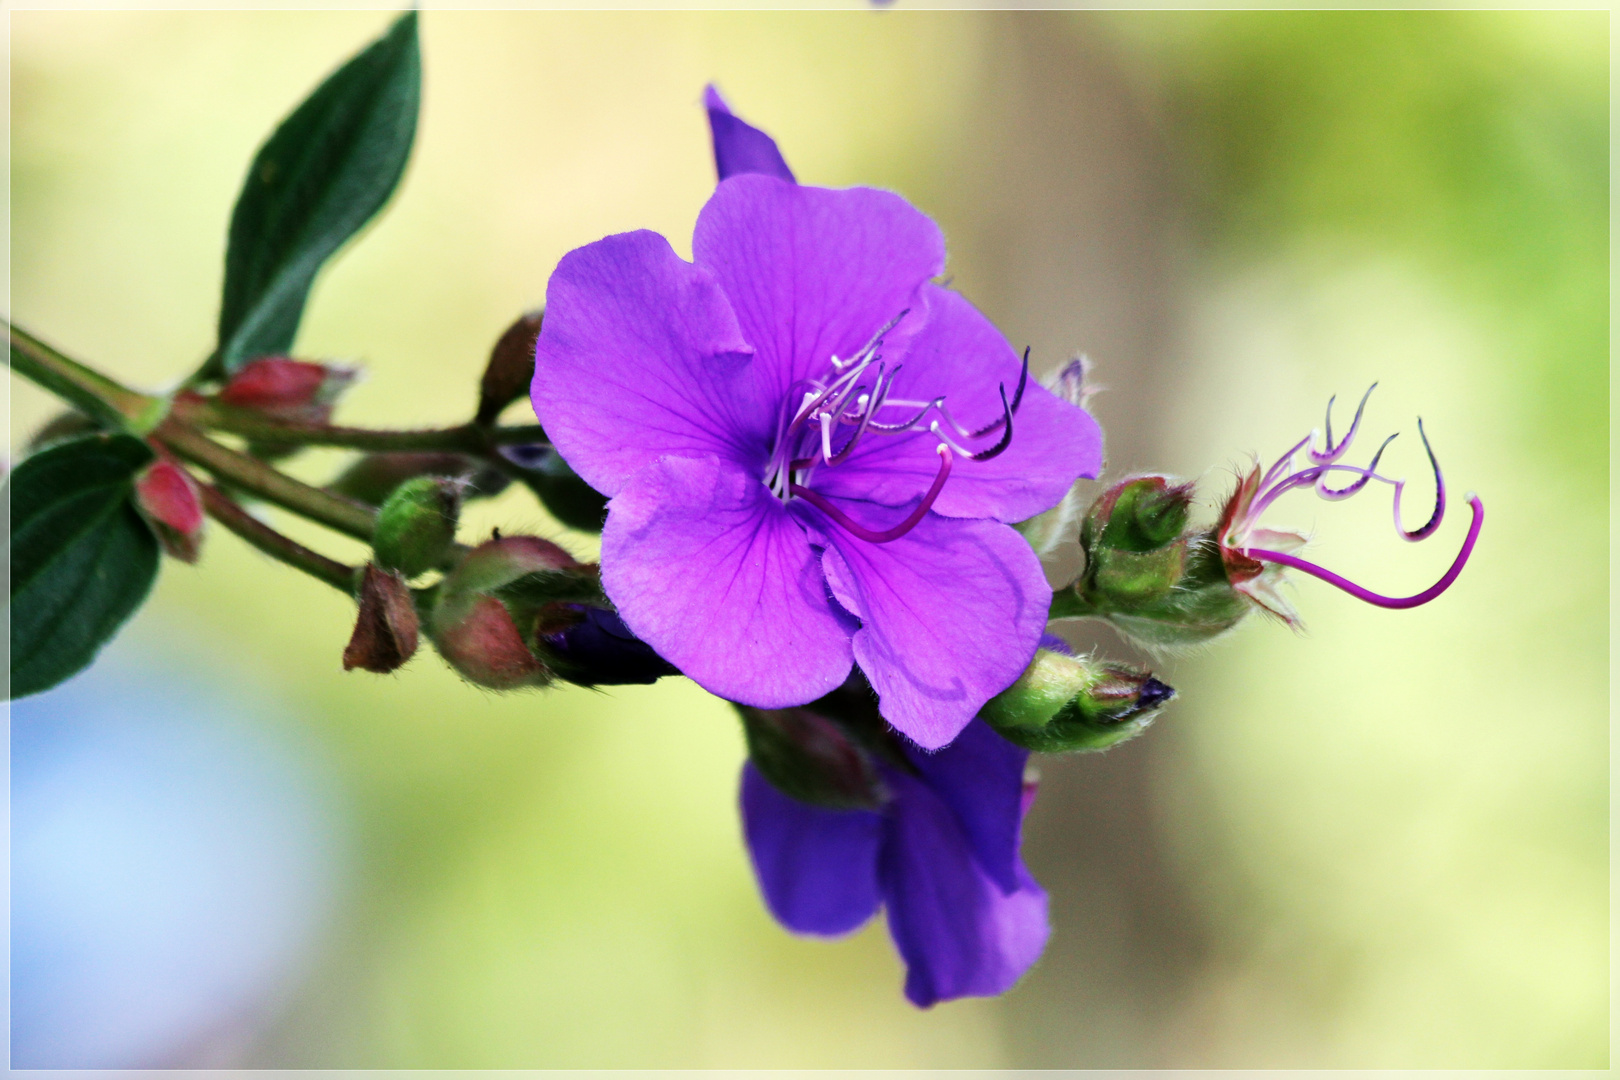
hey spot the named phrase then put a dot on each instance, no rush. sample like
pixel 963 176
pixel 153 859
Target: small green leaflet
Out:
pixel 82 558
pixel 325 172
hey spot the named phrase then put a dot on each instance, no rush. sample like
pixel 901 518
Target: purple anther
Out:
pixel 874 536
pixel 1378 599
pixel 1428 527
pixel 1332 453
pixel 1007 414
pixel 1007 430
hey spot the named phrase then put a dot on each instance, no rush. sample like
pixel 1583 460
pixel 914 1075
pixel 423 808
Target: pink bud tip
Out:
pixel 171 501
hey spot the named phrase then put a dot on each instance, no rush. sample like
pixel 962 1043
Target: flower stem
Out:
pixel 93 393
pixel 252 475
pixel 282 548
pixel 467 438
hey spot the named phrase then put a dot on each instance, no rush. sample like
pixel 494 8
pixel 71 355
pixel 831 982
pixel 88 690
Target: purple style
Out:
pixel 941 857
pixel 813 454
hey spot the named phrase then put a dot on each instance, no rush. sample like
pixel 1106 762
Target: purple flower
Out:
pixel 941 857
pixel 813 454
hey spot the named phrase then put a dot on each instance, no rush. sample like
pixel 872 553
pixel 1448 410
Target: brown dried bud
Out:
pixel 510 369
pixel 385 632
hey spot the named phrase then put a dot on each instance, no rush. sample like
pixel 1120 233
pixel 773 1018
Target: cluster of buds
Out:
pixel 1166 586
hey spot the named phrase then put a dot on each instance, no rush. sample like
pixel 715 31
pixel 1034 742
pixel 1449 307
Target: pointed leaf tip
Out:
pixel 326 171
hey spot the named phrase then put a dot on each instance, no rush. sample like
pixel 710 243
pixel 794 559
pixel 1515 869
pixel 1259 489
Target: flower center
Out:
pixel 822 420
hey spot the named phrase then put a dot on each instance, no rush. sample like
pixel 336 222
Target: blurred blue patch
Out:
pixel 175 854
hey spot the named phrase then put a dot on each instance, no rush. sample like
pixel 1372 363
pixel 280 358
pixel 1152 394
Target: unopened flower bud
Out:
pixel 812 758
pixel 373 477
pixel 285 389
pixel 510 369
pixel 385 632
pixel 591 646
pixel 565 496
pixel 489 608
pixel 417 525
pixel 1160 585
pixel 171 501
pixel 1064 703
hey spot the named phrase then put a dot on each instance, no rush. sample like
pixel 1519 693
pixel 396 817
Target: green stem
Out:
pixel 90 391
pixel 285 549
pixel 466 438
pixel 252 475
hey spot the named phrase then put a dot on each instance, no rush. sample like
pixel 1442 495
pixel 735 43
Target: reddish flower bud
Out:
pixel 385 633
pixel 293 390
pixel 489 608
pixel 172 503
pixel 483 644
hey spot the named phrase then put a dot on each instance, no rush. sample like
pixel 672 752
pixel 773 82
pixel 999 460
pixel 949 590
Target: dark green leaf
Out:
pixel 327 169
pixel 82 559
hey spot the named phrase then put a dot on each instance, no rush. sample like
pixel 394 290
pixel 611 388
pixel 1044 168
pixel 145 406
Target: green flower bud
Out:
pixel 417 525
pixel 1063 703
pixel 813 758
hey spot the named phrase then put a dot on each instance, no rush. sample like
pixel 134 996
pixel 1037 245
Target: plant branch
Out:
pixel 252 475
pixel 91 392
pixel 282 548
pixel 467 438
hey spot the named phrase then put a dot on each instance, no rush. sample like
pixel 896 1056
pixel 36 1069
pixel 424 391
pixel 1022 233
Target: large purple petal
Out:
pixel 641 356
pixel 957 932
pixel 740 147
pixel 712 572
pixel 980 776
pixel 960 355
pixel 816 867
pixel 813 273
pixel 950 616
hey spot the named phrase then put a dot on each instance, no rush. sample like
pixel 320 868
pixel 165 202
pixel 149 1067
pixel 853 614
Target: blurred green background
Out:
pixel 1381 843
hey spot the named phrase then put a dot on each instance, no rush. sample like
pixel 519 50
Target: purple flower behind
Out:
pixel 813 454
pixel 941 857
pixel 739 147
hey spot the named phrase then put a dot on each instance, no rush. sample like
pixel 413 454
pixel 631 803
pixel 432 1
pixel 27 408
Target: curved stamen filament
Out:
pixel 1332 453
pixel 1007 432
pixel 1334 494
pixel 883 536
pixel 1428 527
pixel 1378 599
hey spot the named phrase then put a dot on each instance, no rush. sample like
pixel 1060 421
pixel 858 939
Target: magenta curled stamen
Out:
pixel 1378 599
pixel 1369 474
pixel 1332 453
pixel 883 536
pixel 1427 528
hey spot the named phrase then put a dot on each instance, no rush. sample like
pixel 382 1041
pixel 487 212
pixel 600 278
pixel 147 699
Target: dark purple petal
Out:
pixel 712 572
pixel 959 355
pixel 816 867
pixel 601 651
pixel 640 356
pixel 950 616
pixel 957 932
pixel 813 273
pixel 980 776
pixel 740 147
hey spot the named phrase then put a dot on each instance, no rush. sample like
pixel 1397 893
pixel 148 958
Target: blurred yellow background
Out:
pixel 1382 843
